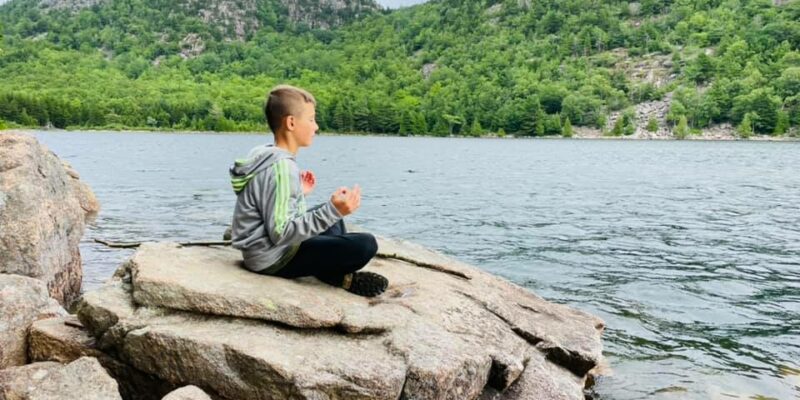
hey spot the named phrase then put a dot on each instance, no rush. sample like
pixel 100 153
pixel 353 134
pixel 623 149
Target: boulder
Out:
pixel 81 379
pixel 63 339
pixel 86 196
pixel 60 339
pixel 22 301
pixel 442 330
pixel 43 208
pixel 187 393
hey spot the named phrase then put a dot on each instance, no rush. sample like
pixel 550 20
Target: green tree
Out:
pixel 552 124
pixel 419 126
pixel 764 108
pixel 533 121
pixel 782 126
pixel 676 111
pixel 475 128
pixel 682 129
pixel 440 127
pixel 701 69
pixel 406 124
pixel 745 128
pixel 789 82
pixel 628 122
pixel 618 127
pixel 652 125
pixel 566 130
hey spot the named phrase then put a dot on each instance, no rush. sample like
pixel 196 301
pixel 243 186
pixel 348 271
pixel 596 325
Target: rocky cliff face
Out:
pixel 236 19
pixel 326 14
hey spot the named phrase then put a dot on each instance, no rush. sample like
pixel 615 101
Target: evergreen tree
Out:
pixel 475 128
pixel 566 130
pixel 406 124
pixel 745 129
pixel 552 124
pixel 628 122
pixel 440 127
pixel 419 126
pixel 533 122
pixel 682 129
pixel 782 126
pixel 618 125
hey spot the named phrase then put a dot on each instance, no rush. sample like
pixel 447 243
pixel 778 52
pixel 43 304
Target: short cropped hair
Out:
pixel 285 100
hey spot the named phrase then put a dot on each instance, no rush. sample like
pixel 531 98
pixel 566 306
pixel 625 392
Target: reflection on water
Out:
pixel 689 250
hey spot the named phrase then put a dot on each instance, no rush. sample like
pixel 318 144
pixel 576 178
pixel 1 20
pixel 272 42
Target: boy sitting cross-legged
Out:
pixel 271 225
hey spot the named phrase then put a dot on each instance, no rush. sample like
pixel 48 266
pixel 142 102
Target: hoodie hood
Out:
pixel 259 159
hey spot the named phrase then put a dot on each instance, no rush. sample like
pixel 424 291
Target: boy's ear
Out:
pixel 289 121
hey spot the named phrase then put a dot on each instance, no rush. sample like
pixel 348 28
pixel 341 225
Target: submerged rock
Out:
pixel 23 300
pixel 43 207
pixel 443 330
pixel 81 379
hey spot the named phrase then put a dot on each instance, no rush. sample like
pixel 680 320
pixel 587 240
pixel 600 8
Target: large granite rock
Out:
pixel 443 330
pixel 82 379
pixel 43 207
pixel 23 300
pixel 63 339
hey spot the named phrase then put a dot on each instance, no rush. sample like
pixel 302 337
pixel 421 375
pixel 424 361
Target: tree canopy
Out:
pixel 446 67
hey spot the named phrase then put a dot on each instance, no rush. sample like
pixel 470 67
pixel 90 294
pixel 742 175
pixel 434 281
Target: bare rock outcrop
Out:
pixel 443 330
pixel 80 379
pixel 43 209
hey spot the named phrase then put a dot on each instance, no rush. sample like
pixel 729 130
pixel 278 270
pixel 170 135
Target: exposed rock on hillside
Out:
pixel 237 19
pixel 326 14
pixel 655 69
pixel 443 330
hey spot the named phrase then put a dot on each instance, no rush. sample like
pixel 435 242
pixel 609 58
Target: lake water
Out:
pixel 690 251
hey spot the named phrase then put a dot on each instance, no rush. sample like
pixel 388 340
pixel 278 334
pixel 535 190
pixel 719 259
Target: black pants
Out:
pixel 331 255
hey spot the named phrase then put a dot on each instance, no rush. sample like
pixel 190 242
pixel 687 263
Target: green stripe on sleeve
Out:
pixel 282 196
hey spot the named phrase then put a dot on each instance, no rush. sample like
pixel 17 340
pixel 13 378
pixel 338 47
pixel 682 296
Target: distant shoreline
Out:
pixel 695 138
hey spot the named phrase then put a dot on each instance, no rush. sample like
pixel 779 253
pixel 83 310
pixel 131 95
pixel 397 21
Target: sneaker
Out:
pixel 367 284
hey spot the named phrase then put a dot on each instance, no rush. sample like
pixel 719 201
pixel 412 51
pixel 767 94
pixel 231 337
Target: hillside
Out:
pixel 446 67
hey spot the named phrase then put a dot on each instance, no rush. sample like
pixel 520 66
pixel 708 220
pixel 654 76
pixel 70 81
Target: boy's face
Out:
pixel 305 126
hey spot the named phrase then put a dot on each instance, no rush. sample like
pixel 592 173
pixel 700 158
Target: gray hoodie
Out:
pixel 270 219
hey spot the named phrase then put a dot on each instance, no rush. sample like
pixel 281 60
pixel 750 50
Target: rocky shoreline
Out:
pixel 720 132
pixel 188 322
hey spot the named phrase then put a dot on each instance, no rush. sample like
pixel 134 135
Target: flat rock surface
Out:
pixel 23 300
pixel 442 330
pixel 81 379
pixel 43 208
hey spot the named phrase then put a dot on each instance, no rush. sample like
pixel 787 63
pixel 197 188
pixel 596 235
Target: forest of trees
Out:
pixel 466 67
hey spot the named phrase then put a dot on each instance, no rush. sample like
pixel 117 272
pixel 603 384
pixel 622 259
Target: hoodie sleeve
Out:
pixel 286 225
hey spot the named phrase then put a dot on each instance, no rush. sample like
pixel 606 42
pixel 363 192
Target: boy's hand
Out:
pixel 308 180
pixel 346 200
